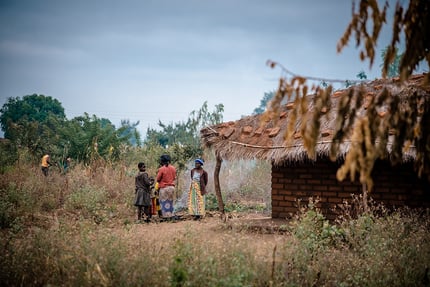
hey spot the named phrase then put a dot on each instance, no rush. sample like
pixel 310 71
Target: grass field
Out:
pixel 79 230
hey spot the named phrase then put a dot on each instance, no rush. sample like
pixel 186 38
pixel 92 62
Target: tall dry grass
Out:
pixel 76 230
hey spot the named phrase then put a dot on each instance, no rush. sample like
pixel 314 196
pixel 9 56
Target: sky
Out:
pixel 159 60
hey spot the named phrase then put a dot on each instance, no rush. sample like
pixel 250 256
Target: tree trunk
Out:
pixel 365 205
pixel 217 185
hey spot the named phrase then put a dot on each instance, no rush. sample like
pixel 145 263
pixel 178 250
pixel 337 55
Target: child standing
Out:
pixel 143 193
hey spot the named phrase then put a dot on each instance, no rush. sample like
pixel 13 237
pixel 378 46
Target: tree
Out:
pixel 185 133
pixel 394 67
pixel 88 138
pixel 31 108
pixel 414 22
pixel 32 122
pixel 129 130
pixel 263 103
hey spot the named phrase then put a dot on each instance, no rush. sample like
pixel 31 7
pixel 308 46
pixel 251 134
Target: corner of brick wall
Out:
pixel 294 184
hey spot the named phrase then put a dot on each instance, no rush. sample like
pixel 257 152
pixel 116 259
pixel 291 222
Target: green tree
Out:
pixel 393 69
pixel 130 131
pixel 87 138
pixel 31 108
pixel 263 103
pixel 33 122
pixel 362 75
pixel 185 133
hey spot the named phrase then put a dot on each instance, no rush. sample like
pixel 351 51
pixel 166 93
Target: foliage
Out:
pixel 38 124
pixel 369 133
pixel 14 202
pixel 88 201
pixel 362 75
pixel 263 103
pixel 129 130
pixel 414 22
pixel 84 238
pixel 393 69
pixel 8 155
pixel 185 133
pixel 32 122
pixel 31 108
pixel 88 138
pixel 373 248
pixel 314 231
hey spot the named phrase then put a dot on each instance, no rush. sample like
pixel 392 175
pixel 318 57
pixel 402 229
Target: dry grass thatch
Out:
pixel 257 137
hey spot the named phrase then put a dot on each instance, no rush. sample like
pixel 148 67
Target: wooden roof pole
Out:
pixel 217 185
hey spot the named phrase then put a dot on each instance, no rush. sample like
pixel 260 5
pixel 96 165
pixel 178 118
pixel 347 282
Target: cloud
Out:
pixel 159 60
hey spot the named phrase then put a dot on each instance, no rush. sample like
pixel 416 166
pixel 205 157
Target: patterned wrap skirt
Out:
pixel 196 201
pixel 166 201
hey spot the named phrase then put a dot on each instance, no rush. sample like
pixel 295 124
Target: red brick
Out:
pixel 329 182
pixel 305 176
pixel 303 193
pixel 344 195
pixel 277 208
pixel 333 176
pixel 285 192
pixel 277 175
pixel 302 171
pixel 285 180
pixel 335 188
pixel 382 189
pixel 352 189
pixel 290 209
pixel 329 194
pixel 286 203
pixel 290 198
pixel 335 199
pixel 398 190
pixel 277 197
pixel 278 186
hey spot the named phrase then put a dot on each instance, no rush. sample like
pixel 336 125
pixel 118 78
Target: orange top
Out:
pixel 45 161
pixel 166 176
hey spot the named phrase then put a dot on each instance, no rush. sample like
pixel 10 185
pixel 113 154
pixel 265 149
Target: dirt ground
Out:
pixel 257 232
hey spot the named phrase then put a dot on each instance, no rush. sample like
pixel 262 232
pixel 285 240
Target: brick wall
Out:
pixel 395 186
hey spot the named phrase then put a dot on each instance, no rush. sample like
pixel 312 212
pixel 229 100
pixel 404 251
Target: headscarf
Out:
pixel 199 160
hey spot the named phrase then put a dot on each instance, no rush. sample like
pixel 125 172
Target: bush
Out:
pixel 89 202
pixel 373 248
pixel 13 205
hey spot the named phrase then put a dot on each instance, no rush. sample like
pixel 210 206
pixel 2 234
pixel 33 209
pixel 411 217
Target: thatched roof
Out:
pixel 253 138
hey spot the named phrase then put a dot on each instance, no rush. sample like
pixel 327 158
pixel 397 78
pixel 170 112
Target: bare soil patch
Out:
pixel 259 233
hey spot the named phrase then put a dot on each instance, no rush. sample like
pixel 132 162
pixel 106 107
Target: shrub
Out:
pixel 89 202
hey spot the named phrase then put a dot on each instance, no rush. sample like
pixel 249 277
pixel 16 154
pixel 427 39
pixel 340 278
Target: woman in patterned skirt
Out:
pixel 166 178
pixel 196 196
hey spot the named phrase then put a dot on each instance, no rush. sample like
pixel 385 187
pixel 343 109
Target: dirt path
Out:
pixel 254 232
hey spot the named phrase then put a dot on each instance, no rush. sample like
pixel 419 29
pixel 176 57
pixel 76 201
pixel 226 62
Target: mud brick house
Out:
pixel 296 177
